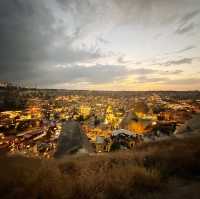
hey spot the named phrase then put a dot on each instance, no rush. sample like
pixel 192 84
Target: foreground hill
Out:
pixel 165 169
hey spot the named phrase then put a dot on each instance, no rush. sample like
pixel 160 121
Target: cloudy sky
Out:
pixel 101 44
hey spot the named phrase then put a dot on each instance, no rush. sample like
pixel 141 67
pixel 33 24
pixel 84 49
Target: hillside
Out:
pixel 165 169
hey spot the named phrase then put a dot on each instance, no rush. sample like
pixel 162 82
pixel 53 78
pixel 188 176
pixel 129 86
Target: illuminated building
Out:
pixel 85 111
pixel 139 127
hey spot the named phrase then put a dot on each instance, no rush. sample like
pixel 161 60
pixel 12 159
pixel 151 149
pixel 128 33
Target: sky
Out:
pixel 101 44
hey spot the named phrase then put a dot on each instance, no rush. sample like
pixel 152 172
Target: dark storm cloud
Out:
pixel 95 74
pixel 29 39
pixel 20 34
pixel 78 73
pixel 36 35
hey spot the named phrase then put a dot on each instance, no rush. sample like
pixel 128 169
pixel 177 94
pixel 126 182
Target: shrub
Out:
pixel 142 173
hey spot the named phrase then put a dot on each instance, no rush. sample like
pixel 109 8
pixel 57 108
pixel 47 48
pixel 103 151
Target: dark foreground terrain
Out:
pixel 165 169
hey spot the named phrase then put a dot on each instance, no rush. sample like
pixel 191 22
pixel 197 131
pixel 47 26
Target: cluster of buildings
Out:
pixel 34 129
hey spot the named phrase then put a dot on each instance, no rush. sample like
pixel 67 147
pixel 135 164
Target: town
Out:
pixel 31 120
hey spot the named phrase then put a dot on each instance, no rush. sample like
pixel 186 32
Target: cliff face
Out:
pixel 71 140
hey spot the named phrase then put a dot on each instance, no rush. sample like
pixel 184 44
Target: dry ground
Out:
pixel 165 169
